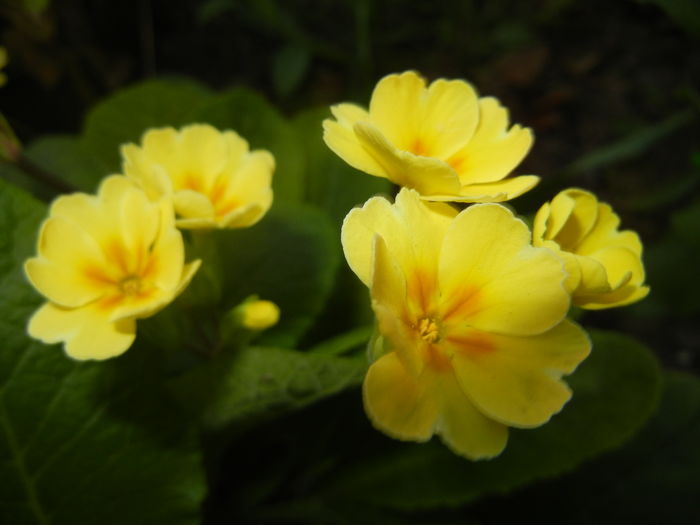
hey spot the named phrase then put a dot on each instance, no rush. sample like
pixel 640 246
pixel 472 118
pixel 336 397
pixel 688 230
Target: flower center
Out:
pixel 428 330
pixel 130 285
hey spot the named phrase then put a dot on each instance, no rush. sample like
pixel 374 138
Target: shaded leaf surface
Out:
pixel 290 258
pixel 653 479
pixel 258 382
pixel 81 442
pixel 615 391
pixel 331 183
pixel 66 157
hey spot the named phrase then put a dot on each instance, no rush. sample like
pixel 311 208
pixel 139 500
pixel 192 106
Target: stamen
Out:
pixel 130 285
pixel 428 330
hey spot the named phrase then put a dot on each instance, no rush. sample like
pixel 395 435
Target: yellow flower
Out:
pixel 104 261
pixel 441 140
pixel 213 178
pixel 604 264
pixel 472 316
pixel 258 315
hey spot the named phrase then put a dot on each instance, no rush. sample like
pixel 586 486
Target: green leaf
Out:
pixel 331 184
pixel 67 158
pixel 290 258
pixel 251 116
pixel 345 342
pixel 632 145
pixel 81 442
pixel 124 116
pixel 258 382
pixel 615 391
pixel 672 268
pixel 653 479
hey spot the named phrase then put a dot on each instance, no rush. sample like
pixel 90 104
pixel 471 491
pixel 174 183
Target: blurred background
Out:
pixel 611 89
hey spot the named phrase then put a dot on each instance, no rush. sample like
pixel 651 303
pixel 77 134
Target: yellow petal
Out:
pixel 167 254
pixel 249 188
pixel 594 276
pixel 494 150
pixel 86 332
pixel 246 215
pixel 493 279
pixel 605 234
pixel 399 404
pixel 341 139
pixel 161 146
pixel 572 266
pixel 395 107
pixel 64 271
pixel 85 212
pixel 516 380
pixel 427 175
pixel 499 191
pixel 463 428
pixel 450 112
pixel 412 229
pixel 203 155
pixel 347 114
pixel 253 176
pixel 625 274
pixel 628 294
pixel 560 209
pixel 237 150
pixel 388 288
pixel 580 219
pixel 139 221
pixel 190 204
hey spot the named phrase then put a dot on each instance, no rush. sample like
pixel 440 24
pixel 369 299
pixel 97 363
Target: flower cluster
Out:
pixel 105 260
pixel 471 307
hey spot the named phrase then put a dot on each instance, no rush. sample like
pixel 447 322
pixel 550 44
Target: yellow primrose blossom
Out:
pixel 441 140
pixel 472 316
pixel 604 264
pixel 213 178
pixel 259 315
pixel 104 261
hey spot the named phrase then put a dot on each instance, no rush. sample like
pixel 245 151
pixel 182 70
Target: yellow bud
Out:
pixel 259 315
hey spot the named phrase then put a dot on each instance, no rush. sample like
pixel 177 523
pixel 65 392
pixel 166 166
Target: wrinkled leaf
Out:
pixel 615 391
pixel 258 382
pixel 81 442
pixel 263 127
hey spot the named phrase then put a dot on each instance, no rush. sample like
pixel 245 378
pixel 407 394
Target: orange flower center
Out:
pixel 130 285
